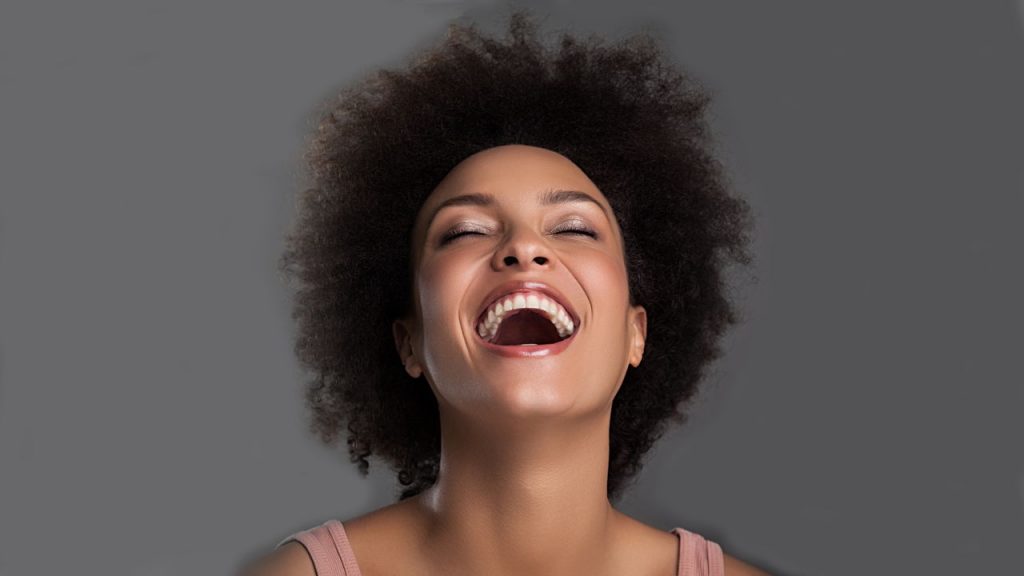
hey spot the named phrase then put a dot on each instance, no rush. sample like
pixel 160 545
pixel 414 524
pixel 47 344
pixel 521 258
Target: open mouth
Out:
pixel 526 323
pixel 528 338
pixel 526 327
pixel 523 317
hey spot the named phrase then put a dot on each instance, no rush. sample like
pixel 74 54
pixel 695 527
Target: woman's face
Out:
pixel 515 236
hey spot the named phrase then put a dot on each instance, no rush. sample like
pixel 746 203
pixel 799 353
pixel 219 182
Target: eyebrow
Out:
pixel 547 198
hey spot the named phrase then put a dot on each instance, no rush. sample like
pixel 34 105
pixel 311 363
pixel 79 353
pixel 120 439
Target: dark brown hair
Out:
pixel 629 119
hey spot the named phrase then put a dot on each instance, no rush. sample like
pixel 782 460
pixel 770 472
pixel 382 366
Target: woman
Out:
pixel 541 236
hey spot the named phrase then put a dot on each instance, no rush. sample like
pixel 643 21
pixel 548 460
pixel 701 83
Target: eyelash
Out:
pixel 456 233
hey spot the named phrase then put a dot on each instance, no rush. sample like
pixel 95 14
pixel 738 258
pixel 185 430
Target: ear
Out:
pixel 638 330
pixel 403 342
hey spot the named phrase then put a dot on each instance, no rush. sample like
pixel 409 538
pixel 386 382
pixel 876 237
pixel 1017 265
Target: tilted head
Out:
pixel 517 121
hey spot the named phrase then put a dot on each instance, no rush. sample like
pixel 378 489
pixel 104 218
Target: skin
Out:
pixel 522 487
pixel 523 480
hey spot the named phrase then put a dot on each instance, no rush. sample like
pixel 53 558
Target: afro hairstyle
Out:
pixel 630 120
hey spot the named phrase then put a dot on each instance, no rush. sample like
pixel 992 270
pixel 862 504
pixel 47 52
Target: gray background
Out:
pixel 865 419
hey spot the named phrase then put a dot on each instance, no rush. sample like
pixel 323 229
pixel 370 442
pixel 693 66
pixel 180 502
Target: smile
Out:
pixel 526 319
pixel 528 350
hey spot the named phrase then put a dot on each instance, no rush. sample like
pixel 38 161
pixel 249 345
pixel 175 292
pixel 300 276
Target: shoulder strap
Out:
pixel 329 549
pixel 698 556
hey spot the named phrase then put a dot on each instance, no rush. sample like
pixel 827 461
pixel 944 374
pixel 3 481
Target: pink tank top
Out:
pixel 328 546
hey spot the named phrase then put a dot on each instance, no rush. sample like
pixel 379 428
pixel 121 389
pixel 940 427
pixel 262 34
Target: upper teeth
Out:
pixel 488 327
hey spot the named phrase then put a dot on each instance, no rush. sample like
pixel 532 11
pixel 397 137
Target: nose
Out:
pixel 522 249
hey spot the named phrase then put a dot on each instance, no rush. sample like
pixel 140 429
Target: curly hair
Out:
pixel 630 120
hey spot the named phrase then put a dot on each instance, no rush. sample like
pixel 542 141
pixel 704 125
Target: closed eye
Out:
pixel 581 231
pixel 456 234
pixel 459 233
pixel 577 227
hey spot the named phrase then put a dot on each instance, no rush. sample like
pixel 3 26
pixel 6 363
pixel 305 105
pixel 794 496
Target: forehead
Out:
pixel 511 173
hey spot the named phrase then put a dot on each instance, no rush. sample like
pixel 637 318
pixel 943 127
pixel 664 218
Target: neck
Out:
pixel 522 498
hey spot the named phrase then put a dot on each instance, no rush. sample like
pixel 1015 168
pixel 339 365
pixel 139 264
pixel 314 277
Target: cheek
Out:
pixel 606 283
pixel 442 284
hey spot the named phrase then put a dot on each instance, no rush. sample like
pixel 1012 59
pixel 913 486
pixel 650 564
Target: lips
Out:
pixel 538 351
pixel 503 290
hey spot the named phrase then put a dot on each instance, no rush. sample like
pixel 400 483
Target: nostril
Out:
pixel 510 260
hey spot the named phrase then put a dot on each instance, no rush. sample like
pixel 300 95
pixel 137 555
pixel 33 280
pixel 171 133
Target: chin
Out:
pixel 537 393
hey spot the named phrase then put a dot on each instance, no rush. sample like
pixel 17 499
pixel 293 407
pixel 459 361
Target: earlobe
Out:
pixel 639 325
pixel 403 342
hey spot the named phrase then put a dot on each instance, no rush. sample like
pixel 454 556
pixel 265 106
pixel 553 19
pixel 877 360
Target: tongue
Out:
pixel 526 326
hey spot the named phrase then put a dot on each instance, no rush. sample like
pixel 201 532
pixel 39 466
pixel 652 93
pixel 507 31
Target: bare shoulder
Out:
pixel 291 559
pixel 736 567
